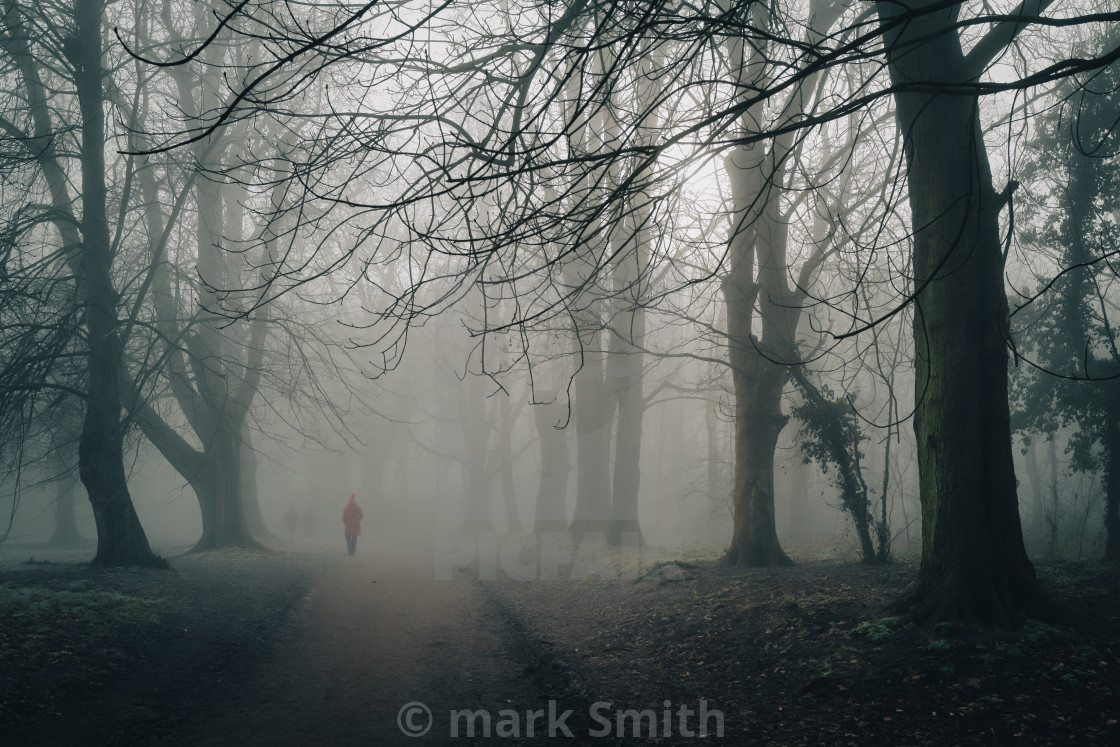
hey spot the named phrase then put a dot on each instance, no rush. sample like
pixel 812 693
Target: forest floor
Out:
pixel 813 655
pixel 319 648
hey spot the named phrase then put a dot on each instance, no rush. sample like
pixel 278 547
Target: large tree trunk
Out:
pixel 758 244
pixel 974 566
pixel 218 375
pixel 218 487
pixel 625 379
pixel 623 527
pixel 120 537
pixel 757 369
pixel 758 423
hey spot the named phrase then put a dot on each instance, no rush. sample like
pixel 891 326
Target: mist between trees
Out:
pixel 839 272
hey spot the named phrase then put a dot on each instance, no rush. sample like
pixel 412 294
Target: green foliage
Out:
pixel 1035 632
pixel 830 436
pixel 944 628
pixel 878 631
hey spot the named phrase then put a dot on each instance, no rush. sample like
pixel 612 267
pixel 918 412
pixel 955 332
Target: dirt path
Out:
pixel 376 633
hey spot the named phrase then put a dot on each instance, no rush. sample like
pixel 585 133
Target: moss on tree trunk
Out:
pixel 974 565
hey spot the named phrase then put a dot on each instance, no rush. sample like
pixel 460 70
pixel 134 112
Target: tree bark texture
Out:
pixel 120 537
pixel 974 566
pixel 757 368
pixel 758 283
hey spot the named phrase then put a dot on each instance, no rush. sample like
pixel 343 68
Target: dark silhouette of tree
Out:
pixel 67 142
pixel 974 566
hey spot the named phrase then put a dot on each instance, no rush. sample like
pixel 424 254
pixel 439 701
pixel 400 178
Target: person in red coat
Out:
pixel 352 518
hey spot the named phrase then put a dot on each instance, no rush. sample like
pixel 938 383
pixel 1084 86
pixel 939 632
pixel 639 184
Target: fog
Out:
pixel 402 452
pixel 405 369
pixel 634 284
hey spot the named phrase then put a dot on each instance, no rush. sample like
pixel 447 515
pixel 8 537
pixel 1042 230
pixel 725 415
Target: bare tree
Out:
pixel 64 47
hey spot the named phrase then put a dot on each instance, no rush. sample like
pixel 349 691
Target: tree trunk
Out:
pixel 218 484
pixel 712 461
pixel 120 537
pixel 1034 477
pixel 758 173
pixel 213 386
pixel 250 498
pixel 580 272
pixel 66 516
pixel 551 513
pixel 625 379
pixel 1053 515
pixel 625 367
pixel 974 566
pixel 863 533
pixel 505 463
pixel 218 487
pixel 1112 479
pixel 1074 334
pixel 476 437
pixel 758 423
pixel 627 464
pixel 593 448
pixel 593 437
pixel 758 383
pixel 755 539
pixel 214 474
pixel 883 528
pixel 799 518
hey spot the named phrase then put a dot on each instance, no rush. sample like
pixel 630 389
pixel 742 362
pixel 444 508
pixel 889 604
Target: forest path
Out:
pixel 378 632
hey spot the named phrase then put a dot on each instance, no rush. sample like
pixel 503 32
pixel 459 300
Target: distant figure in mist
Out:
pixel 310 522
pixel 291 522
pixel 352 518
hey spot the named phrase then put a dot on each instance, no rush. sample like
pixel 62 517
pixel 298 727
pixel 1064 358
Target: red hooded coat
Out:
pixel 352 518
